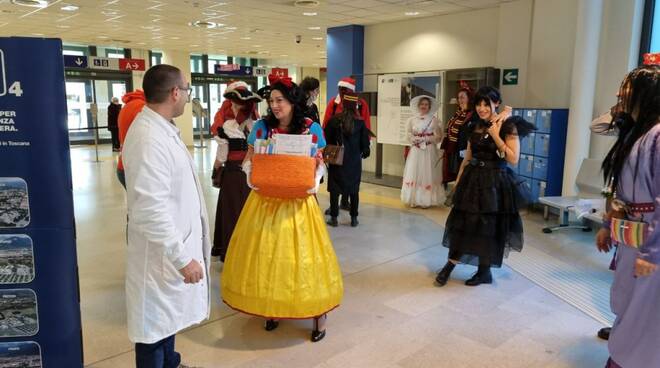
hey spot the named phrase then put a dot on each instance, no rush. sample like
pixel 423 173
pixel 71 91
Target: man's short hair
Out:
pixel 158 82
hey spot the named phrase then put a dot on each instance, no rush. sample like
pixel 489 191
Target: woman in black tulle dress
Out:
pixel 484 223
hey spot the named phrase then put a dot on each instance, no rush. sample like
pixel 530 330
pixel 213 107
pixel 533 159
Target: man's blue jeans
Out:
pixel 157 355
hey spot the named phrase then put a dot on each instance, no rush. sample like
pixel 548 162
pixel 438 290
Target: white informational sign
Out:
pixel 394 94
pixel 293 144
pixel 103 63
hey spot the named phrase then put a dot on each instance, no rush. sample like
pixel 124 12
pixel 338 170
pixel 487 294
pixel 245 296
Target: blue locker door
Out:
pixel 542 145
pixel 540 170
pixel 530 115
pixel 543 121
pixel 526 165
pixel 527 144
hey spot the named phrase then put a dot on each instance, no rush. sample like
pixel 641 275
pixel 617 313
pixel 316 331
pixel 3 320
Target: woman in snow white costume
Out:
pixel 281 263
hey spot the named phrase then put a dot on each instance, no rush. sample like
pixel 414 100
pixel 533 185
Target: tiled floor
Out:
pixel 391 316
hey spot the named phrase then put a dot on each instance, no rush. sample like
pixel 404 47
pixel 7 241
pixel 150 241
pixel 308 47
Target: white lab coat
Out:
pixel 167 228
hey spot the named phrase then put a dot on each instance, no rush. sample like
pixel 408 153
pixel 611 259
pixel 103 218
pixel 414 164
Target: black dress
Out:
pixel 345 179
pixel 484 221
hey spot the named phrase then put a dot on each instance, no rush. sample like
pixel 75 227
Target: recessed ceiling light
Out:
pixel 306 3
pixel 31 3
pixel 231 28
pixel 38 34
pixel 256 46
pixel 175 38
pixel 109 12
pixel 141 43
pixel 317 38
pixel 102 37
pixel 284 55
pixel 204 24
pixel 412 13
pixel 209 13
pixel 63 26
pixel 313 28
pixel 70 8
pixel 310 14
pixel 246 38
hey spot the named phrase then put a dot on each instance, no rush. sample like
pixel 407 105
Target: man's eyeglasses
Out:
pixel 188 89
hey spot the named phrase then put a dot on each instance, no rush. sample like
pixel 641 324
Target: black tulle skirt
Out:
pixel 485 225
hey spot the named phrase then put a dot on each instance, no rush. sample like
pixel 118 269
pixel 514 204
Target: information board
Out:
pixel 39 297
pixel 394 94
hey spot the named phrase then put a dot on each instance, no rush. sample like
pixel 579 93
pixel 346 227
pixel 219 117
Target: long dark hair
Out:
pixel 295 96
pixel 347 116
pixel 639 93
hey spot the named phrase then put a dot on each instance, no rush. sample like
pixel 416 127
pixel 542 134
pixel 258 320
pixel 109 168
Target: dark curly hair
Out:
pixel 639 92
pixel 296 97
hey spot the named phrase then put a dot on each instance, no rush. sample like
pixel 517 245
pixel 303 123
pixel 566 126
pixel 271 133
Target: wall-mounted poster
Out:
pixel 16 259
pixel 18 313
pixel 14 203
pixel 22 354
pixel 395 91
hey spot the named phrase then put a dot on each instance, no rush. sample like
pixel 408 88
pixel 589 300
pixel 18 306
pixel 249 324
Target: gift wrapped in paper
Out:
pixel 283 176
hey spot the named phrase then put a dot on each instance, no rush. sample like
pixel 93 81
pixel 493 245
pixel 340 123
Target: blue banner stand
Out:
pixel 39 296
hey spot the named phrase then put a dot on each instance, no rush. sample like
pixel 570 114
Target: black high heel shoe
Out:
pixel 271 324
pixel 316 334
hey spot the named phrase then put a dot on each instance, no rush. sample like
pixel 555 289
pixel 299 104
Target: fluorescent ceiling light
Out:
pixel 70 8
pixel 314 28
pixel 412 13
pixel 31 3
pixel 317 38
pixel 310 14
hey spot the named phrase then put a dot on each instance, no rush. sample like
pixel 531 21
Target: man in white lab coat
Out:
pixel 167 283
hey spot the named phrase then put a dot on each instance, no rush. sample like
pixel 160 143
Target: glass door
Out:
pixel 87 105
pixel 216 90
pixel 202 117
pixel 104 91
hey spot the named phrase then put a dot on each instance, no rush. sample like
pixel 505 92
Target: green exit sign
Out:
pixel 510 77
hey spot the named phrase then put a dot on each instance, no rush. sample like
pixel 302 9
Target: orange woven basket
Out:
pixel 283 176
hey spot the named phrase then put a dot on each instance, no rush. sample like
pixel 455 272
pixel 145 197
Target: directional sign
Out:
pixel 103 63
pixel 73 61
pixel 260 72
pixel 233 69
pixel 280 72
pixel 132 64
pixel 510 77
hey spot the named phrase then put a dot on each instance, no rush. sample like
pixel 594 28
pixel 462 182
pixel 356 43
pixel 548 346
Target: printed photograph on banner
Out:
pixel 18 313
pixel 416 86
pixel 16 259
pixel 14 203
pixel 20 354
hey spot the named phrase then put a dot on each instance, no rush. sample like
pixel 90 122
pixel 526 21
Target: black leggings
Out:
pixel 334 203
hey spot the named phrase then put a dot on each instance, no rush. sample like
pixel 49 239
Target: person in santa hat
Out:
pixel 231 127
pixel 335 106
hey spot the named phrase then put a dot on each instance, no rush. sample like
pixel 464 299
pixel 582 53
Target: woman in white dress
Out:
pixel 422 176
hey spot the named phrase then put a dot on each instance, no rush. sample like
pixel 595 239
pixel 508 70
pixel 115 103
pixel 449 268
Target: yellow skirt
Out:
pixel 280 262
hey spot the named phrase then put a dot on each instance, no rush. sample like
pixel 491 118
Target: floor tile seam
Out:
pixel 392 260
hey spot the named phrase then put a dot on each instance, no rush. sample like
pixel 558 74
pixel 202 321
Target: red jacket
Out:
pixel 335 107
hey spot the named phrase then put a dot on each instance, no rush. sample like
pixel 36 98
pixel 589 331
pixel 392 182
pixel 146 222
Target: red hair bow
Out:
pixel 273 79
